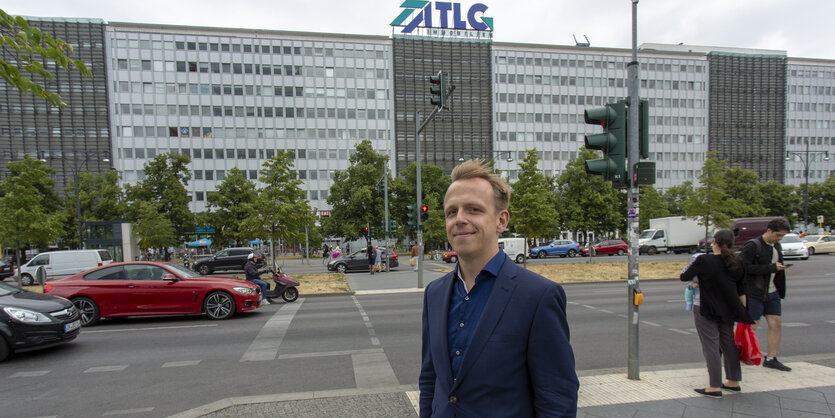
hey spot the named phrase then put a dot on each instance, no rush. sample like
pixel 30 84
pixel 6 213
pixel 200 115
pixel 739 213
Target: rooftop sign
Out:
pixel 444 18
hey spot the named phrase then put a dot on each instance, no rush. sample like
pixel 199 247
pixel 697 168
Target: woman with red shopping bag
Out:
pixel 720 303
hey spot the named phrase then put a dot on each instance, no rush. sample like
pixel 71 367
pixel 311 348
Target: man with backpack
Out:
pixel 765 285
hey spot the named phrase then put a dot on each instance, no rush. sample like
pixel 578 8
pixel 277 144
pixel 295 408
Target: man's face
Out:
pixel 773 236
pixel 472 224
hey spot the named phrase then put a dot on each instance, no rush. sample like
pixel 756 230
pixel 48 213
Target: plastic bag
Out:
pixel 749 347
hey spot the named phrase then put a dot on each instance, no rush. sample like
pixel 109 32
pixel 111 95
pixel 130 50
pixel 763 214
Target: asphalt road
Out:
pixel 160 366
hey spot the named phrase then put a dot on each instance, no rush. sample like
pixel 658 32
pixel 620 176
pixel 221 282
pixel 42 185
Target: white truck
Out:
pixel 676 234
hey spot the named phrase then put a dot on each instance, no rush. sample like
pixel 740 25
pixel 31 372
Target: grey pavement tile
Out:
pixel 610 411
pixel 788 404
pixel 799 414
pixel 801 394
pixel 372 405
pixel 755 409
pixel 756 398
pixel 664 408
pixel 692 411
pixel 721 405
pixel 828 392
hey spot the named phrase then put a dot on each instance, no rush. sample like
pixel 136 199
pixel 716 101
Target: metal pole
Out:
pixel 419 201
pixel 632 197
pixel 386 217
pixel 806 192
pixel 78 203
pixel 306 245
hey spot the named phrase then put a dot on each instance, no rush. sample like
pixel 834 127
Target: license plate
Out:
pixel 72 326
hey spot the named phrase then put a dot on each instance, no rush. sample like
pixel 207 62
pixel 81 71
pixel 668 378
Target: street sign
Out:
pixel 324 213
pixel 820 219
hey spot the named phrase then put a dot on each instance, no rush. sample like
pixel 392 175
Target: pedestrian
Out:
pixel 765 285
pixel 719 305
pixel 369 252
pixel 413 260
pixel 325 253
pixel 378 259
pixel 337 251
pixel 495 336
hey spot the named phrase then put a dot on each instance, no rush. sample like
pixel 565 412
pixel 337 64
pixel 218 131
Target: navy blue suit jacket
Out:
pixel 519 362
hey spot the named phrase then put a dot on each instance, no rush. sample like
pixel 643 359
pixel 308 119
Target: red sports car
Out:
pixel 148 288
pixel 611 247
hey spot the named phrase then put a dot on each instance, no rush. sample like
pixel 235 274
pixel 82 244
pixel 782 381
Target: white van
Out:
pixel 60 264
pixel 514 248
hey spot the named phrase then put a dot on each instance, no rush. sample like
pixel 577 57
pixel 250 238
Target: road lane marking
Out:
pixel 830 322
pixel 606 311
pixel 147 329
pixel 181 363
pixel 128 411
pixel 330 353
pixel 373 370
pixel 101 369
pixel 36 373
pixel 794 324
pixel 265 346
pixel 651 323
pixel 679 331
pixel 589 306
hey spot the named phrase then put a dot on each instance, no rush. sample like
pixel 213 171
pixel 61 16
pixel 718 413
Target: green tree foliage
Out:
pixel 280 211
pixel 652 205
pixel 152 227
pixel 586 202
pixel 675 197
pixel 354 197
pixel 31 49
pixel 821 201
pixel 230 205
pixel 166 177
pixel 24 217
pixel 781 200
pixel 710 202
pixel 743 186
pixel 433 188
pixel 532 212
pixel 101 199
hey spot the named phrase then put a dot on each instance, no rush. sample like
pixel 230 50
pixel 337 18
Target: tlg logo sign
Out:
pixel 449 16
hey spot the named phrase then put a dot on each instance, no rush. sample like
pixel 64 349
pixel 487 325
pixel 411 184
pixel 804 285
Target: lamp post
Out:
pixel 509 158
pixel 76 168
pixel 804 158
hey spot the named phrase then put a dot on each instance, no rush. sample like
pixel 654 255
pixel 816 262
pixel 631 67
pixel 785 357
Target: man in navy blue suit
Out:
pixel 495 336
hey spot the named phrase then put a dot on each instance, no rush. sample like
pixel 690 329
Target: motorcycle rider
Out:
pixel 253 275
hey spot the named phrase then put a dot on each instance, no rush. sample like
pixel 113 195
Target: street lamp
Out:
pixel 76 168
pixel 509 158
pixel 804 158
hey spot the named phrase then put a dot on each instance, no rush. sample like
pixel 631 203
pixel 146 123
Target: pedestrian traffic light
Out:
pixel 412 216
pixel 438 90
pixel 612 142
pixel 424 213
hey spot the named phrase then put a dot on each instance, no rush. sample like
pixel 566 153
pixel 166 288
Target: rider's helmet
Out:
pixel 251 256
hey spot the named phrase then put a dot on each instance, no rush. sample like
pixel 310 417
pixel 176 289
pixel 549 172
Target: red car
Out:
pixel 451 257
pixel 149 288
pixel 611 247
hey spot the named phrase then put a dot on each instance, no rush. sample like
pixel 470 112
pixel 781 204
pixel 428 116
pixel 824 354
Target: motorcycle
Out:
pixel 285 287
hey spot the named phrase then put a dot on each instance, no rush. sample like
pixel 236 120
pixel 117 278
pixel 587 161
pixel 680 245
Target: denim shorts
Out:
pixel 771 306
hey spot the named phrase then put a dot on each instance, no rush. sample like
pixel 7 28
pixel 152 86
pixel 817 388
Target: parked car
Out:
pixel 450 257
pixel 153 288
pixel 357 260
pixel 560 247
pixel 794 247
pixel 820 244
pixel 610 247
pixel 227 259
pixel 6 270
pixel 31 321
pixel 60 264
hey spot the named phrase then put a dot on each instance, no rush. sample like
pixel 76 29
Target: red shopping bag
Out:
pixel 749 347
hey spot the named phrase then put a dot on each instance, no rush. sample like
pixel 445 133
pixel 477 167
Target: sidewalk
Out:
pixel 807 391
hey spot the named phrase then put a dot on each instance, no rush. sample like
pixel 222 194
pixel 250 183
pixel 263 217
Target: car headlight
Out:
pixel 244 290
pixel 26 316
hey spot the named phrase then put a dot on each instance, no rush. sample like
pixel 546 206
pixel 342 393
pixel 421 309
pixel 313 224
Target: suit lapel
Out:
pixel 439 312
pixel 496 304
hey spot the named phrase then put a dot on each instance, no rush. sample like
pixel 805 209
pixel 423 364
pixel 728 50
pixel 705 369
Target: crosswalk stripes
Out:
pixel 265 346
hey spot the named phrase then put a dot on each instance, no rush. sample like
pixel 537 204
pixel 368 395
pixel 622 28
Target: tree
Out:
pixel 100 197
pixel 433 189
pixel 822 201
pixel 587 202
pixel 652 205
pixel 230 205
pixel 743 186
pixel 166 177
pixel 24 217
pixel 280 211
pixel 31 48
pixel 152 227
pixel 710 202
pixel 532 213
pixel 354 197
pixel 675 197
pixel 781 200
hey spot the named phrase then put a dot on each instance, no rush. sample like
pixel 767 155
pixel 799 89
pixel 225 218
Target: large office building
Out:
pixel 234 97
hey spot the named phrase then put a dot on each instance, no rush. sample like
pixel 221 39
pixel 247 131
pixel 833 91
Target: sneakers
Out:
pixel 775 364
pixel 265 302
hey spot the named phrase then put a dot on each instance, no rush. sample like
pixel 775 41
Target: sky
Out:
pixel 803 28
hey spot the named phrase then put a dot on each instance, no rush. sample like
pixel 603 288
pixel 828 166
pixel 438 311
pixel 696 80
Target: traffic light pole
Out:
pixel 386 217
pixel 633 132
pixel 421 125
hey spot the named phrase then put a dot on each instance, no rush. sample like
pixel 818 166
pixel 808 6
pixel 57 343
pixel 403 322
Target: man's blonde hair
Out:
pixel 478 168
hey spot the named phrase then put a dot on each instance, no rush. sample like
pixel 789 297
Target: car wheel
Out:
pixel 652 251
pixel 341 268
pixel 26 279
pixel 692 250
pixel 453 259
pixel 4 349
pixel 541 254
pixel 811 251
pixel 204 270
pixel 290 294
pixel 219 305
pixel 620 251
pixel 88 309
pixel 520 259
pixel 572 253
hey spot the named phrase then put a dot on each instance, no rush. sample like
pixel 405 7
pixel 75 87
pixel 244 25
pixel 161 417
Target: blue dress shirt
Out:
pixel 465 308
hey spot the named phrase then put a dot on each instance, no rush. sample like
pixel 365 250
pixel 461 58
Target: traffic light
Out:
pixel 438 90
pixel 612 142
pixel 365 230
pixel 412 215
pixel 424 213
